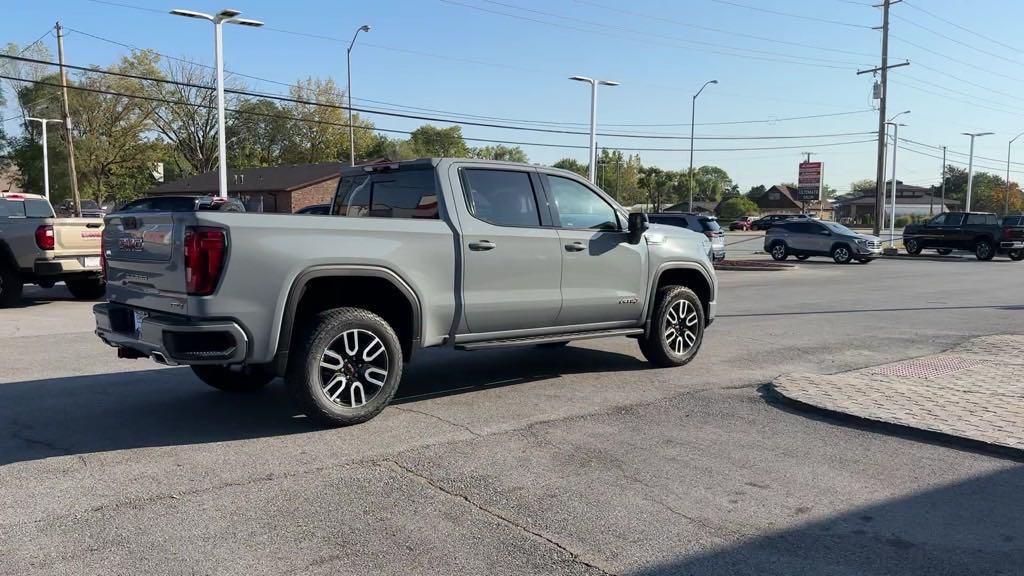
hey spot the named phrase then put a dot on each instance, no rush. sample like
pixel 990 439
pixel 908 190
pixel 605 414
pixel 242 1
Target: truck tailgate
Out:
pixel 145 260
pixel 77 236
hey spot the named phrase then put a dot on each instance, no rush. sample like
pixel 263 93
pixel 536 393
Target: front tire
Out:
pixel 677 328
pixel 89 289
pixel 841 254
pixel 779 251
pixel 347 367
pixel 984 250
pixel 912 246
pixel 239 380
pixel 11 286
pixel 1016 255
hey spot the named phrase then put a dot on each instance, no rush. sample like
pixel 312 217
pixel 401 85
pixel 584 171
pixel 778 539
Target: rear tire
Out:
pixel 11 286
pixel 779 251
pixel 1016 255
pixel 91 289
pixel 912 246
pixel 247 379
pixel 677 328
pixel 347 367
pixel 842 254
pixel 984 250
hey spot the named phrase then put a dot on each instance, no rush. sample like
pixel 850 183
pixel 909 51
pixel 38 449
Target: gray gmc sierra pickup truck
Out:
pixel 469 254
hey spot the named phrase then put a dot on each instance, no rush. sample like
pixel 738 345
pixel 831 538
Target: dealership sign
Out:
pixel 809 180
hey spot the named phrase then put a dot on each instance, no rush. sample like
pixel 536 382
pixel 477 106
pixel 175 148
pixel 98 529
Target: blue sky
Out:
pixel 510 59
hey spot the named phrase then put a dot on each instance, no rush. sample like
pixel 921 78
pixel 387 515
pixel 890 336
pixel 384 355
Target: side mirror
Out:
pixel 638 224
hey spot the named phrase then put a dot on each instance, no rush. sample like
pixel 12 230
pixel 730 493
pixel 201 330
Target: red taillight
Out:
pixel 205 249
pixel 44 237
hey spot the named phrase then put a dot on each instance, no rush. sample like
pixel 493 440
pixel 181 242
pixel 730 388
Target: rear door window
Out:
pixel 501 197
pixel 16 208
pixel 4 212
pixel 709 225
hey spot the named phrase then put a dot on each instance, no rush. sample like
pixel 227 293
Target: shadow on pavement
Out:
pixel 170 406
pixel 971 527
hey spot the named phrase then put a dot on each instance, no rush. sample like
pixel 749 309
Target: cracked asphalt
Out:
pixel 529 461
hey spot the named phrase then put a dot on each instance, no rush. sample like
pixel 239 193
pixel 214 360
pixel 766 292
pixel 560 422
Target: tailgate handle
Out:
pixel 93 225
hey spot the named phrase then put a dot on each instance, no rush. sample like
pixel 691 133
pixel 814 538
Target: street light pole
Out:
pixel 892 211
pixel 225 16
pixel 592 168
pixel 46 163
pixel 970 167
pixel 943 207
pixel 1006 212
pixel 693 112
pixel 351 128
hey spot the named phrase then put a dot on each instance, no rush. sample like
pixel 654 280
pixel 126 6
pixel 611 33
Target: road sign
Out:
pixel 809 180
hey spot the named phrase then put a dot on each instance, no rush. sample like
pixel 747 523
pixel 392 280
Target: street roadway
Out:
pixel 532 461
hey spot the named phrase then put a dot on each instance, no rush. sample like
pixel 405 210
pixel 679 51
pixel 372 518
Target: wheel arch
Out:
pixel 688 274
pixel 372 287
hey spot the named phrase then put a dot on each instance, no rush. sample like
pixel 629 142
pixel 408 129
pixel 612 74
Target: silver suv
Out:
pixel 806 238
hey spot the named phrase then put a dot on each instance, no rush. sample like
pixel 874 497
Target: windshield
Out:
pixel 839 228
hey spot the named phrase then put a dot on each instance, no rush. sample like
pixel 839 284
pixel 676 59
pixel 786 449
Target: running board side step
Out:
pixel 547 339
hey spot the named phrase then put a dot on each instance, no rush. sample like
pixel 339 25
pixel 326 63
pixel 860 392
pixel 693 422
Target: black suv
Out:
pixel 979 232
pixel 703 223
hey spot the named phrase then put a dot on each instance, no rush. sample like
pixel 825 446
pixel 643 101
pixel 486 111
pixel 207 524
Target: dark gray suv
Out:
pixel 806 238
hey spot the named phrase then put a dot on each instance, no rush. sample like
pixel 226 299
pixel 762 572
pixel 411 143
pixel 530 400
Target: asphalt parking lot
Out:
pixel 578 461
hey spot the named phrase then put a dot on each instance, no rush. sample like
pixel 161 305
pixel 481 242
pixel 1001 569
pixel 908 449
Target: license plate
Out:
pixel 89 261
pixel 138 317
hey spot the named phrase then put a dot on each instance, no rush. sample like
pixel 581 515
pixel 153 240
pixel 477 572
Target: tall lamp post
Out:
pixel 592 169
pixel 1006 212
pixel 693 112
pixel 351 128
pixel 225 16
pixel 46 163
pixel 895 142
pixel 970 167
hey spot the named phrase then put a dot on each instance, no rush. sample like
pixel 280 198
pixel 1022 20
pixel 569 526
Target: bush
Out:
pixel 736 207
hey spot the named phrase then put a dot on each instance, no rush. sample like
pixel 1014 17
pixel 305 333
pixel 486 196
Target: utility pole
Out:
pixel 943 207
pixel 67 123
pixel 883 94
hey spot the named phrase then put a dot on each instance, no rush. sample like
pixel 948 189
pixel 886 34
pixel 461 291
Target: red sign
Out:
pixel 809 180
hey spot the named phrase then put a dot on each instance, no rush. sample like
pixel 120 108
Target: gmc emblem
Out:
pixel 130 243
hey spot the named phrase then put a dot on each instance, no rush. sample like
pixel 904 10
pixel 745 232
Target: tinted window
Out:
pixel 501 197
pixel 982 219
pixel 16 208
pixel 1009 221
pixel 938 220
pixel 953 219
pixel 709 225
pixel 36 208
pixel 839 228
pixel 173 204
pixel 3 208
pixel 580 207
pixel 402 194
pixel 680 221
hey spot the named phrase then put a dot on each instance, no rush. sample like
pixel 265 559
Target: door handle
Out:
pixel 482 245
pixel 575 247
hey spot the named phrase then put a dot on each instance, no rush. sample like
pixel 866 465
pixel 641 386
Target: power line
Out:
pixel 720 30
pixel 972 66
pixel 791 15
pixel 432 118
pixel 287 117
pixel 964 28
pixel 956 41
pixel 643 35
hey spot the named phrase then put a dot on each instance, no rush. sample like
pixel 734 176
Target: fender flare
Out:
pixel 656 278
pixel 298 290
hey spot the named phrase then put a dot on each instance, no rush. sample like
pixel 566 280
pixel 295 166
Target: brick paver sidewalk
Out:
pixel 973 391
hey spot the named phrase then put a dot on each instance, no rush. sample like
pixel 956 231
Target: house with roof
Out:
pixel 784 199
pixel 282 189
pixel 859 207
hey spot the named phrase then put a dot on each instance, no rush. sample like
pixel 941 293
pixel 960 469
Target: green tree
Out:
pixel 865 185
pixel 572 165
pixel 756 191
pixel 710 183
pixel 828 192
pixel 658 184
pixel 736 207
pixel 499 152
pixel 258 134
pixel 320 129
pixel 618 175
pixel 428 140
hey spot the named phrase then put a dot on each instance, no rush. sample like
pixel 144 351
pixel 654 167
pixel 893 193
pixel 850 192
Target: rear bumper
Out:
pixel 64 267
pixel 170 339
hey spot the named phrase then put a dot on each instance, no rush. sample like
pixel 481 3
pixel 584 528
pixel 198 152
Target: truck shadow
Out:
pixel 170 407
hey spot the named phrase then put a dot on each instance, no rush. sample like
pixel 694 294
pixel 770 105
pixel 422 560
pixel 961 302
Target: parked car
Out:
pixel 743 223
pixel 315 209
pixel 804 238
pixel 766 222
pixel 1013 237
pixel 979 232
pixel 38 248
pixel 700 223
pixel 183 204
pixel 460 253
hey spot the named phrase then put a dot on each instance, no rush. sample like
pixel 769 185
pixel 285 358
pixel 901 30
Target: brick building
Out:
pixel 281 189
